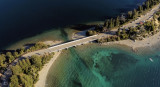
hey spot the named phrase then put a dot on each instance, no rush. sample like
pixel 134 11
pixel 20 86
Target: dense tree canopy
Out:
pixel 14 81
pixel 26 80
pixel 16 70
pixel 26 71
pixel 36 61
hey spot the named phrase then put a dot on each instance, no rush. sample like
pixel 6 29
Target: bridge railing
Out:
pixel 72 41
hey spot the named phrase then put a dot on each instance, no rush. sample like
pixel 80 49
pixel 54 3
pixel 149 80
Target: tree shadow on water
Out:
pixel 81 27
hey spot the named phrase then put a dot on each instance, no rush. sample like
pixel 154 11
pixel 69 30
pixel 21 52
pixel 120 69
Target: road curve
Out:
pixel 67 45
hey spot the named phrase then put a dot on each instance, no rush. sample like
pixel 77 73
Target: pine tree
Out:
pixel 10 56
pixel 147 4
pixel 130 15
pixel 36 60
pixel 141 9
pixel 16 70
pixel 114 23
pixel 26 80
pixel 118 32
pixel 14 81
pixel 2 59
pixel 117 21
pixel 106 23
pixel 111 23
pixel 28 62
pixel 15 54
pixel 123 31
pixel 135 13
pixel 21 65
pixel 118 38
pixel 152 26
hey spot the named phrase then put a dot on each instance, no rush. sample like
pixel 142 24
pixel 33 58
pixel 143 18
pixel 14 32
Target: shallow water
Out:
pixel 87 65
pixel 104 66
pixel 21 19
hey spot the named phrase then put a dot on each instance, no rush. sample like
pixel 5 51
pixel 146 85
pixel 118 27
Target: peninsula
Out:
pixel 141 26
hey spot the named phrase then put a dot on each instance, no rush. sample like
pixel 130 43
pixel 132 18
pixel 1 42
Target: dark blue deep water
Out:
pixel 87 65
pixel 21 19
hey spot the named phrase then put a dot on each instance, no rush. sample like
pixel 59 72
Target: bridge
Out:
pixel 84 40
pixel 74 43
pixel 57 48
pixel 51 49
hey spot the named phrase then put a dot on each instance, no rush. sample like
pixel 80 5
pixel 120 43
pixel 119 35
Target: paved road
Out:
pixel 8 73
pixel 145 17
pixel 60 47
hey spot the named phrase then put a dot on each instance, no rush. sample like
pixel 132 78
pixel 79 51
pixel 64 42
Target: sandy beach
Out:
pixel 146 42
pixel 43 73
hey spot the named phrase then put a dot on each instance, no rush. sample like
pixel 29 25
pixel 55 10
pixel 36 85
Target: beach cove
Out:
pixel 119 64
pixel 101 65
pixel 135 47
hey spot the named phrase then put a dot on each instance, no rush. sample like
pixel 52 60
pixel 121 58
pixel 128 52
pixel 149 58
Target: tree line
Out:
pixel 131 15
pixel 139 32
pixel 25 73
pixel 9 57
pixel 120 20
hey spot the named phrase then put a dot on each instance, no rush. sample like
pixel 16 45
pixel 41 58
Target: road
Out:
pixel 73 43
pixel 145 17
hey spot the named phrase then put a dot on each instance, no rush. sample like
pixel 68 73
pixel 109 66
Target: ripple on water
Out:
pixel 104 66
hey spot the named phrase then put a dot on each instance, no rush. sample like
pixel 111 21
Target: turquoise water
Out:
pixel 105 66
pixel 87 65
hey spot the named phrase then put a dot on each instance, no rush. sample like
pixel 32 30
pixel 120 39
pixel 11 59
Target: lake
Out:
pixel 23 19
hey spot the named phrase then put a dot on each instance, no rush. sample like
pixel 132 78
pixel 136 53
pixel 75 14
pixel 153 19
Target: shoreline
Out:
pixel 146 42
pixel 44 72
